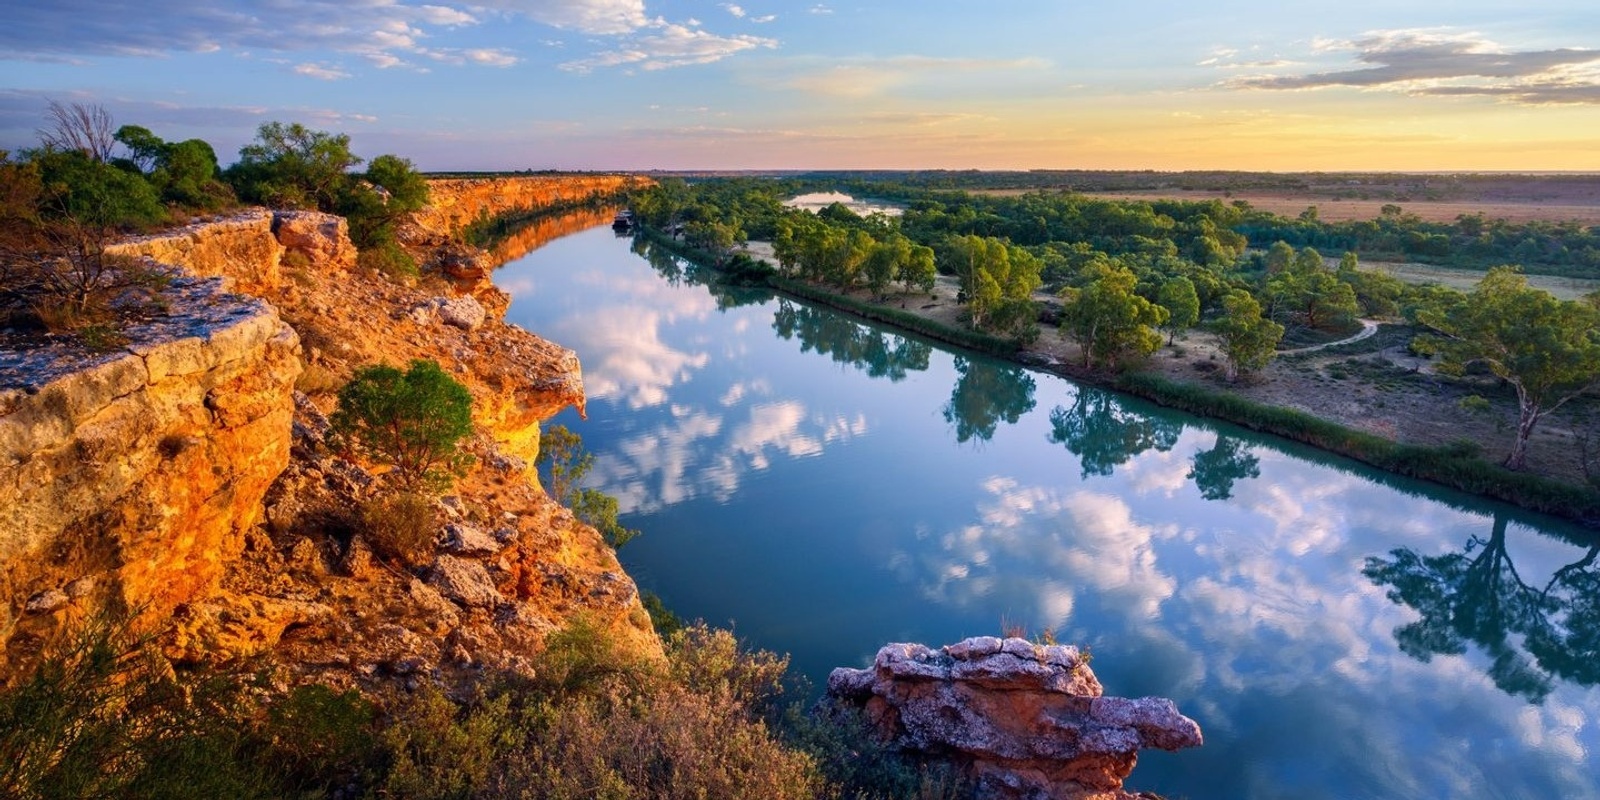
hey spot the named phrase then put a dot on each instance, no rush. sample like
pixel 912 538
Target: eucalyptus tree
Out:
pixel 1109 321
pixel 1182 303
pixel 1248 339
pixel 1547 349
pixel 918 270
pixel 997 281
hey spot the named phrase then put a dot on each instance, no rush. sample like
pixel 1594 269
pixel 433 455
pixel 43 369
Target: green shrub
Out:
pixel 437 749
pixel 411 421
pixel 662 619
pixel 857 764
pixel 710 662
pixel 103 716
pixel 622 728
pixel 388 258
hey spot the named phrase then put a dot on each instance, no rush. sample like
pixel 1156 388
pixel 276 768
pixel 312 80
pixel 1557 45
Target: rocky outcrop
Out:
pixel 1025 720
pixel 128 478
pixel 239 248
pixel 311 239
pixel 250 249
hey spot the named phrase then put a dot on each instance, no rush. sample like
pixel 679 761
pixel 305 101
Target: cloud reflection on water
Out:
pixel 1155 583
pixel 700 453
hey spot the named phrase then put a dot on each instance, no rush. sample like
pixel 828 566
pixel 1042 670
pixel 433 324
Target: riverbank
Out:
pixel 1370 401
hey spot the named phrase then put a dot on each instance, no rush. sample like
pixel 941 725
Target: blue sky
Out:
pixel 680 84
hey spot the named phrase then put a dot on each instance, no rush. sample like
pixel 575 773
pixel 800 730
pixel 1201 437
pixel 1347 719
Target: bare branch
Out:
pixel 83 127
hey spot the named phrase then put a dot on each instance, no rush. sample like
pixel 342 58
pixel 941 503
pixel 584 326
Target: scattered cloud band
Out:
pixel 1450 65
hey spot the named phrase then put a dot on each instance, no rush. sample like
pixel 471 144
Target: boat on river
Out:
pixel 624 220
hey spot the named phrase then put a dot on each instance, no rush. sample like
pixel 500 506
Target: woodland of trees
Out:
pixel 90 181
pixel 1121 278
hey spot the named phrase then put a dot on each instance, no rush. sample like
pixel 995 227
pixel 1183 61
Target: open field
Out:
pixel 1466 279
pixel 1338 209
pixel 1344 196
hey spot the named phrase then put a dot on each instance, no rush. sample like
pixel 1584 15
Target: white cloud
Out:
pixel 733 9
pixel 383 32
pixel 490 57
pixel 441 15
pixel 668 46
pixel 320 72
pixel 1446 63
pixel 598 17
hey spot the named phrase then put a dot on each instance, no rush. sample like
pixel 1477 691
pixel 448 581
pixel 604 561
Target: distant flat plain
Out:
pixel 1517 199
pixel 1342 209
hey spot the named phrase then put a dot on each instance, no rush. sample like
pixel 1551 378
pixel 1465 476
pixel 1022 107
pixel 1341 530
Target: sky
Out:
pixel 800 84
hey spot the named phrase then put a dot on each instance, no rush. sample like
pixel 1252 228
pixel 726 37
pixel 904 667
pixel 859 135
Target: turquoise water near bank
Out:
pixel 827 486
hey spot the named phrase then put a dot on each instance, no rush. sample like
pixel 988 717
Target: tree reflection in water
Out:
pixel 1214 471
pixel 875 352
pixel 986 393
pixel 678 271
pixel 1533 636
pixel 1104 434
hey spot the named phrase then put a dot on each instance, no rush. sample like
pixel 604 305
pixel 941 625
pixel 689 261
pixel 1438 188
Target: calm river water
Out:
pixel 827 486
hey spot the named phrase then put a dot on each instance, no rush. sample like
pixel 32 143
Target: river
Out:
pixel 826 486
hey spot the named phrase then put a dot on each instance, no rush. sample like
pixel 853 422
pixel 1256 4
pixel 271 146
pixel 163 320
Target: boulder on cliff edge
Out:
pixel 1025 720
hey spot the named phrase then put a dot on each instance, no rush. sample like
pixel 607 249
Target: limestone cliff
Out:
pixel 455 203
pixel 128 479
pixel 536 234
pixel 185 478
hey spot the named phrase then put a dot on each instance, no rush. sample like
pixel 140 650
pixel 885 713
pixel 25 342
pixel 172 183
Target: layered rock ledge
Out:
pixel 456 203
pixel 128 478
pixel 1025 720
pixel 181 476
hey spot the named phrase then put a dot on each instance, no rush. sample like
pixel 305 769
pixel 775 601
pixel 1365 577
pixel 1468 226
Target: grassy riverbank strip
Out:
pixel 1454 466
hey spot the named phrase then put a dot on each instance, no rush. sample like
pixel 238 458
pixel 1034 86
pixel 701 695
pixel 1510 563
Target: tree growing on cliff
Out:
pixel 376 200
pixel 184 172
pixel 79 128
pixel 411 421
pixel 61 209
pixel 564 463
pixel 293 166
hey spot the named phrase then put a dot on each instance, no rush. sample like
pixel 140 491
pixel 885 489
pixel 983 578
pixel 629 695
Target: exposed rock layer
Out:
pixel 455 203
pixel 136 480
pixel 128 479
pixel 1028 721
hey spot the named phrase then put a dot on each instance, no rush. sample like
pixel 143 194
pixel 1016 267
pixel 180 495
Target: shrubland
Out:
pixel 105 716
